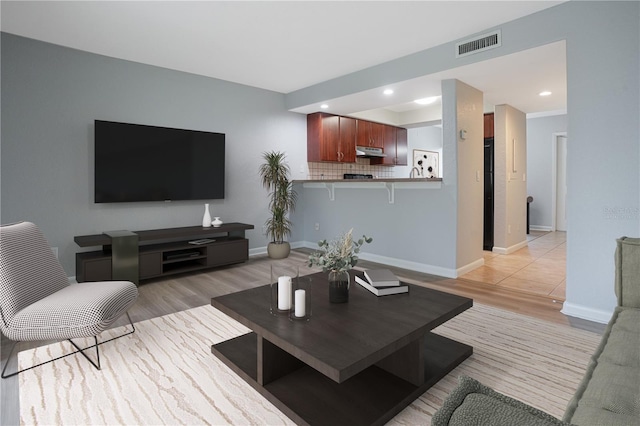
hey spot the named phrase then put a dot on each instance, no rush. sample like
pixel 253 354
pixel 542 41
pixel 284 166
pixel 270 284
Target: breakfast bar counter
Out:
pixel 374 180
pixel 390 184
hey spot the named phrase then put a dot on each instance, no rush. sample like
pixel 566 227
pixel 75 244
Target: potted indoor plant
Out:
pixel 274 173
pixel 337 257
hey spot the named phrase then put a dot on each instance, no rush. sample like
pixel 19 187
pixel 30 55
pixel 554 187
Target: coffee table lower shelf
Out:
pixel 371 397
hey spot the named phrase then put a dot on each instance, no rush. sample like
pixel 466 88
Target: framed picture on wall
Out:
pixel 427 163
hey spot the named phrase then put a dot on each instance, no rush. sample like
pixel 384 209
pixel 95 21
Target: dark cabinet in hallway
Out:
pixel 487 241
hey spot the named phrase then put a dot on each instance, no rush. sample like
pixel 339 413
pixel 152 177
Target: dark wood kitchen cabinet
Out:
pixel 402 147
pixel 334 138
pixel 488 125
pixel 331 138
pixel 371 134
pixel 395 147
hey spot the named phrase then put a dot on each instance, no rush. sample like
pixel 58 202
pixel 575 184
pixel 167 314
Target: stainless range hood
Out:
pixel 369 152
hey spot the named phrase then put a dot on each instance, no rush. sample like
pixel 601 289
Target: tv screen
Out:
pixel 134 162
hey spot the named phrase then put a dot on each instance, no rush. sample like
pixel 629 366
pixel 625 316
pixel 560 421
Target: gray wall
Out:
pixel 462 111
pixel 50 97
pixel 414 232
pixel 539 167
pixel 603 45
pixel 606 130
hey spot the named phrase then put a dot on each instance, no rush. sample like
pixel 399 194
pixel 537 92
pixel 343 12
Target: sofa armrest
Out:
pixel 627 283
pixel 609 393
pixel 472 403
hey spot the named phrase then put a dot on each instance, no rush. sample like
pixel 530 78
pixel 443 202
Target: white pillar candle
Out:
pixel 284 293
pixel 301 309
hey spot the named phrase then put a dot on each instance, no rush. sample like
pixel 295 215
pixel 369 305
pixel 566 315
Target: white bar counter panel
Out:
pixel 390 184
pixel 412 221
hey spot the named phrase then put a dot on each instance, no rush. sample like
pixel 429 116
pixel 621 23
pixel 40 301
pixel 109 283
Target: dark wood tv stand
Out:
pixel 163 252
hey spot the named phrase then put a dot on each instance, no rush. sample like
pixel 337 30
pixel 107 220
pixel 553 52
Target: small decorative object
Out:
pixel 216 222
pixel 283 279
pixel 301 299
pixel 339 286
pixel 206 219
pixel 274 173
pixel 284 293
pixel 337 257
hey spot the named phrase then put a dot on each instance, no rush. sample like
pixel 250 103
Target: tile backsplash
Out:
pixel 337 170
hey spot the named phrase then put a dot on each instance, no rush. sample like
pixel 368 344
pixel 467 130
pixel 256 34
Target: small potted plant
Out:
pixel 274 173
pixel 337 257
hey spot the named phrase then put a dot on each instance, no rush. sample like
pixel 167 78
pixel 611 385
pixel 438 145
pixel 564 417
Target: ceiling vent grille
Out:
pixel 479 44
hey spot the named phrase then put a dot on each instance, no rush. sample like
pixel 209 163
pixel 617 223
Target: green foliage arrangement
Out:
pixel 274 174
pixel 340 254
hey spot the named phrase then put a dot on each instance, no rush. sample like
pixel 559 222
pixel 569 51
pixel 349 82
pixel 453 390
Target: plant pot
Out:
pixel 339 286
pixel 278 250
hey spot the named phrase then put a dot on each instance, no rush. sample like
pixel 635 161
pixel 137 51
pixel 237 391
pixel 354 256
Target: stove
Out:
pixel 357 176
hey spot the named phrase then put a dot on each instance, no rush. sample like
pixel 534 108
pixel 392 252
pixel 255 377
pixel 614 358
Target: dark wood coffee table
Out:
pixel 356 363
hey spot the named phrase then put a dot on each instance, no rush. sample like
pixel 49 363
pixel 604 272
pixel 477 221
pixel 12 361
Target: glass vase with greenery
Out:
pixel 337 257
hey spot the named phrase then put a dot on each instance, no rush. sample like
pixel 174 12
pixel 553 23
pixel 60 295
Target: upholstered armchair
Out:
pixel 37 302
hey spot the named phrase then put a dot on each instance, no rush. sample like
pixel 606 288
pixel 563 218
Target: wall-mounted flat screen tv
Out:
pixel 135 162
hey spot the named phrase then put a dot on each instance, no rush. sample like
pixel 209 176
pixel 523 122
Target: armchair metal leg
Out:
pixel 96 363
pixel 78 350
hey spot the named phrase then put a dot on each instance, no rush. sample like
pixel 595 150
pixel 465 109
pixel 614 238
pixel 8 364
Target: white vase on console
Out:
pixel 206 219
pixel 216 222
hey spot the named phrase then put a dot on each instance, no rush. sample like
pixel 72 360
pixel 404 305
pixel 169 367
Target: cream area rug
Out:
pixel 165 372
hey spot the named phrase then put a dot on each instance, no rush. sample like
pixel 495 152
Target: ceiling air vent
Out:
pixel 479 44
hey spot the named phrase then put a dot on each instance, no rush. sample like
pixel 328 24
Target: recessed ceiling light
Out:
pixel 324 106
pixel 388 92
pixel 426 101
pixel 545 93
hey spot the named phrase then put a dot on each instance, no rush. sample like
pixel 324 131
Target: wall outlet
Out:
pixel 55 251
pixel 317 227
pixel 508 229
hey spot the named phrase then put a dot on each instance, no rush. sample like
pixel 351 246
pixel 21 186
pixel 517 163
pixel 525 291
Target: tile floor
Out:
pixel 539 268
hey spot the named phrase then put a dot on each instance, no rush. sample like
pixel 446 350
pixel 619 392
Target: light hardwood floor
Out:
pixel 540 268
pixel 166 296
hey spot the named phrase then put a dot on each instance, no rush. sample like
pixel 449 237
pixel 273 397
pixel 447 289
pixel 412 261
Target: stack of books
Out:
pixel 381 282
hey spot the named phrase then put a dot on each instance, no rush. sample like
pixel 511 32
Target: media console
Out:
pixel 159 252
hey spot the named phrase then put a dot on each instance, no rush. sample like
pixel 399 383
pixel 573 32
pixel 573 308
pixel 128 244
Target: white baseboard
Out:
pixel 509 250
pixel 470 267
pixel 309 245
pixel 539 228
pixel 400 263
pixel 298 244
pixel 586 313
pixel 385 260
pixel 412 266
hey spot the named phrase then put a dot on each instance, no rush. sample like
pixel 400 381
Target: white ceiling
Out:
pixel 515 79
pixel 286 46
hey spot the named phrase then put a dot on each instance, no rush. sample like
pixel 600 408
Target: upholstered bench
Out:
pixel 609 393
